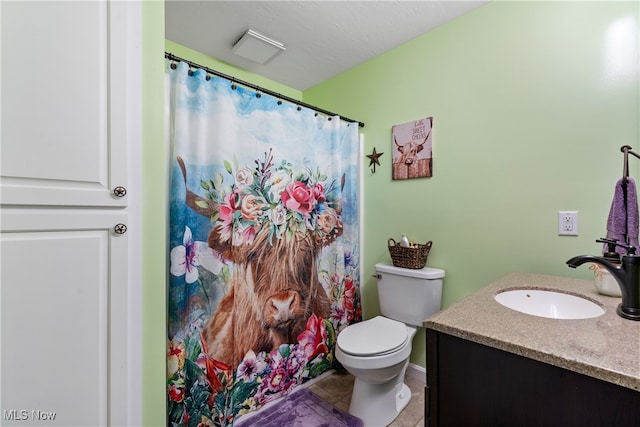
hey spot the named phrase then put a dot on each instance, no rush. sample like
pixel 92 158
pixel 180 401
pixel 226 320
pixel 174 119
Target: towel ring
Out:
pixel 625 166
pixel 626 149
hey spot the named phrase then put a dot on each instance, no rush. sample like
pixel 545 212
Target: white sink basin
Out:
pixel 548 303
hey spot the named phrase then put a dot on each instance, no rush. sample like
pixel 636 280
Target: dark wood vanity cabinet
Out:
pixel 470 384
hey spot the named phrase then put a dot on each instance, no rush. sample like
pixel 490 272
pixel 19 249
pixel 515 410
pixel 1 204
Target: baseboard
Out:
pixel 417 373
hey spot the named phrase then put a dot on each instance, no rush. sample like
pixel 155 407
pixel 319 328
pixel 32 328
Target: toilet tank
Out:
pixel 407 295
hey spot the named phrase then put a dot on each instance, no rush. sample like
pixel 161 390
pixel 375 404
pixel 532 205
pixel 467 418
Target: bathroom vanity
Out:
pixel 490 365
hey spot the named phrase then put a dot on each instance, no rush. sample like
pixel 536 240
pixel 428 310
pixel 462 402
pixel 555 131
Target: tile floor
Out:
pixel 336 389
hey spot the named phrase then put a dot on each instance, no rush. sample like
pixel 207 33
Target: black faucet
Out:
pixel 627 274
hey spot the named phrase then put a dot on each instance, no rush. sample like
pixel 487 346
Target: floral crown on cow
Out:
pixel 275 199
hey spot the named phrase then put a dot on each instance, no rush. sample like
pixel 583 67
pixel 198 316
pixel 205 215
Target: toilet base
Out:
pixel 377 405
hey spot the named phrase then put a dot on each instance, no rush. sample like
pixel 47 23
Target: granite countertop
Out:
pixel 605 347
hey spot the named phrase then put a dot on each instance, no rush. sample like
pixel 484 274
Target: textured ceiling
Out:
pixel 322 38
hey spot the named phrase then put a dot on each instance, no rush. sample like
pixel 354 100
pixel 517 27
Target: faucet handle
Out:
pixel 608 241
pixel 612 243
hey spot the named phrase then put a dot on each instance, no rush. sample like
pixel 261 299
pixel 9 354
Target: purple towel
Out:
pixel 622 223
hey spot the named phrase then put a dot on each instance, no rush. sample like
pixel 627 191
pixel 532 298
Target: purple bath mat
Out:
pixel 303 408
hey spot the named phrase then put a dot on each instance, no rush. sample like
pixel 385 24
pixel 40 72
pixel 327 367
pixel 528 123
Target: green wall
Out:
pixel 230 70
pixel 154 208
pixel 529 117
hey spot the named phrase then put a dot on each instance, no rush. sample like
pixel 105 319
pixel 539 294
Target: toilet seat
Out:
pixel 374 337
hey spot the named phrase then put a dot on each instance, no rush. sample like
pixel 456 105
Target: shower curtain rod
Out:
pixel 173 57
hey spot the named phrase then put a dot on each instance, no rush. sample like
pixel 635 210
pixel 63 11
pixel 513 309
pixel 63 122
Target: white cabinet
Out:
pixel 64 103
pixel 69 272
pixel 63 318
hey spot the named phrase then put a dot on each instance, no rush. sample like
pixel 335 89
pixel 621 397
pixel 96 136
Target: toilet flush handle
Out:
pixel 377 276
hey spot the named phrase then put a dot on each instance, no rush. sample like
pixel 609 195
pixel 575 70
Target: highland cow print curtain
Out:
pixel 263 242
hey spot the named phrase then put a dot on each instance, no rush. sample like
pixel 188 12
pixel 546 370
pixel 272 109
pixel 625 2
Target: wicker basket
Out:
pixel 414 257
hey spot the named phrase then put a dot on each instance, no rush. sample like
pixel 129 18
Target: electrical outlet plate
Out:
pixel 568 223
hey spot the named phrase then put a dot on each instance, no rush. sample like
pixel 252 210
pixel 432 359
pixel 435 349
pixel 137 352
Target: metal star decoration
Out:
pixel 374 160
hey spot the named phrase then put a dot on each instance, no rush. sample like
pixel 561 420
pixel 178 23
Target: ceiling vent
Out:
pixel 256 47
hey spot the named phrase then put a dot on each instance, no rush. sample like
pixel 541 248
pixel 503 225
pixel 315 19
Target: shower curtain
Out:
pixel 263 246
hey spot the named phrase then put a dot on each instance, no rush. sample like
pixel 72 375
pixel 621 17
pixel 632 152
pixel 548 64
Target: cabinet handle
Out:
pixel 120 229
pixel 119 191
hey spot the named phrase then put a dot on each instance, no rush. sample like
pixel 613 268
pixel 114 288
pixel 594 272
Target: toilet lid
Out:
pixel 373 336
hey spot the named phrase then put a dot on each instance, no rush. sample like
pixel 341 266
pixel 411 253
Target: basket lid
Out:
pixel 423 273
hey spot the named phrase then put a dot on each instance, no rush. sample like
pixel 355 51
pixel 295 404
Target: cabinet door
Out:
pixel 471 384
pixel 63 317
pixel 64 103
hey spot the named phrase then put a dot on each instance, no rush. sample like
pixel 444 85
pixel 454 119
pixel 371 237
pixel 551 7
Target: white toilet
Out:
pixel 376 351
